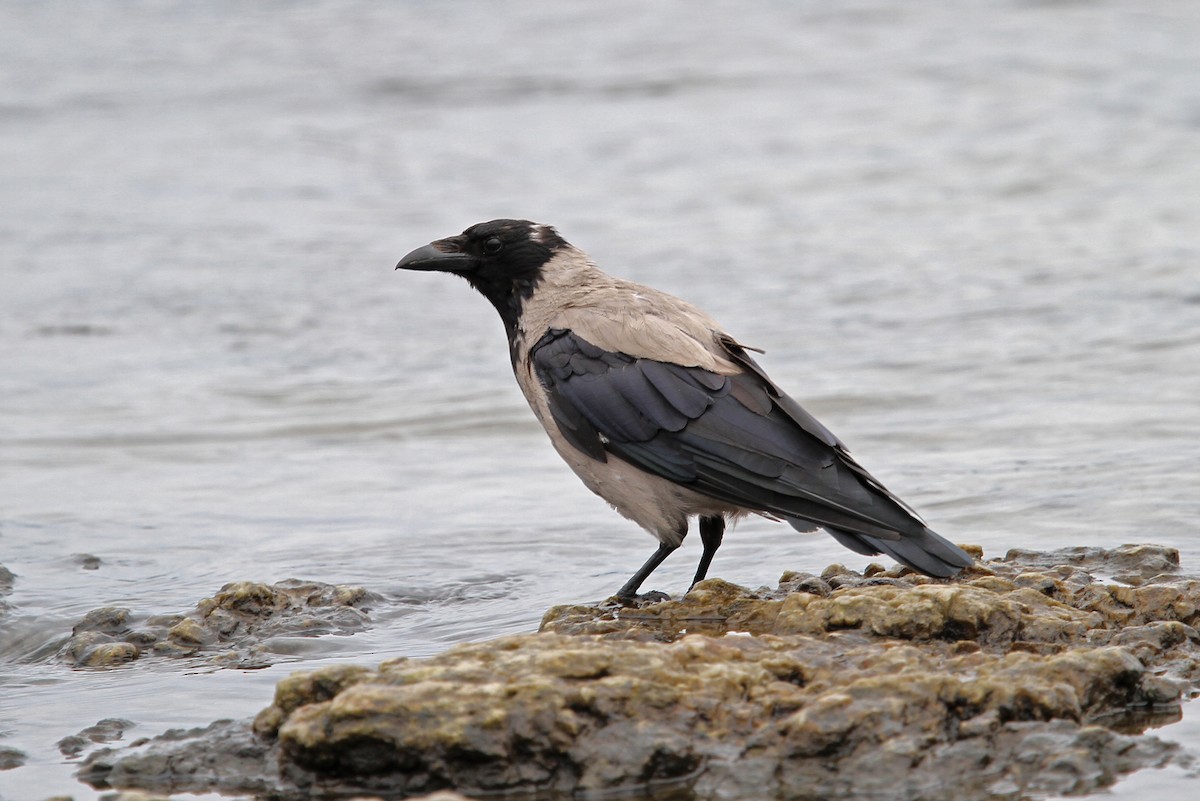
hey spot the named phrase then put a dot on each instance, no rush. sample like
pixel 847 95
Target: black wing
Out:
pixel 737 438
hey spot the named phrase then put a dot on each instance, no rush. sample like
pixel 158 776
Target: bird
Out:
pixel 665 415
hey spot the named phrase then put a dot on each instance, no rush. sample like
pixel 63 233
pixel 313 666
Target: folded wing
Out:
pixel 736 438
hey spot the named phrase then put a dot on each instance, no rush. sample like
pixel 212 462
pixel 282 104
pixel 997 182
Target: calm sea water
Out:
pixel 965 233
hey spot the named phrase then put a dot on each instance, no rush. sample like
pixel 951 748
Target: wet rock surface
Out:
pixel 1024 677
pixel 223 756
pixel 136 795
pixel 7 579
pixel 87 561
pixel 231 629
pixel 104 731
pixel 11 757
pixel 1035 602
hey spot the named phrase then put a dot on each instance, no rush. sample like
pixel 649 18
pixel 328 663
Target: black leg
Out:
pixel 631 587
pixel 712 530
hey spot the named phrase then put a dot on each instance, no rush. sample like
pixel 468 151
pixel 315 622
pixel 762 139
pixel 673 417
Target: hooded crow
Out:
pixel 662 413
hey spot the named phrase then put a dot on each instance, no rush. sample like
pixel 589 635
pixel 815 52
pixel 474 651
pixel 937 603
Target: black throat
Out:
pixel 508 296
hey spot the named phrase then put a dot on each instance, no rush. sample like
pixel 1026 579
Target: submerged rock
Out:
pixel 87 561
pixel 105 731
pixel 11 757
pixel 7 579
pixel 1017 679
pixel 232 628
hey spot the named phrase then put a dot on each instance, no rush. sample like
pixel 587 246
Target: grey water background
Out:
pixel 966 234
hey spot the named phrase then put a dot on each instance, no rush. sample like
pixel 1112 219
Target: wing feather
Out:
pixel 690 425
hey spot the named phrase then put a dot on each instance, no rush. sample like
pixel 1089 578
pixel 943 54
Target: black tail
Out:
pixel 924 551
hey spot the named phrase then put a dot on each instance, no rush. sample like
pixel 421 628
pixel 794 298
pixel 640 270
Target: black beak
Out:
pixel 444 255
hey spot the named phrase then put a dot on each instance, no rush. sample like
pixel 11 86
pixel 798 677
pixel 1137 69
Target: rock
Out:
pixel 232 628
pixel 104 731
pixel 11 758
pixel 306 688
pixel 233 757
pixel 7 579
pixel 1018 678
pixel 1003 603
pixel 173 758
pixel 1131 564
pixel 583 714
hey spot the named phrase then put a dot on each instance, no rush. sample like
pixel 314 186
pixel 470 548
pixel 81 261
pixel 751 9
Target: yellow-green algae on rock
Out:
pixel 582 713
pixel 880 684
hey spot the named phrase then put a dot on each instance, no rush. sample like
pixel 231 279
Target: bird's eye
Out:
pixel 493 245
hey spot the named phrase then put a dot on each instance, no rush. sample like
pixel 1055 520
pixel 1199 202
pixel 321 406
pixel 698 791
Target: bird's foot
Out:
pixel 639 600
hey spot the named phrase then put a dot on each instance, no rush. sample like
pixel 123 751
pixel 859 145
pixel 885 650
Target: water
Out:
pixel 964 233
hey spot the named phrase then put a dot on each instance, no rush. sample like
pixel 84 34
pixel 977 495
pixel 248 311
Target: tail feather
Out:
pixel 854 542
pixel 924 551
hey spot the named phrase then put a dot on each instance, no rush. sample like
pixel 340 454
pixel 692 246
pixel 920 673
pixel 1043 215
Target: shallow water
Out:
pixel 964 233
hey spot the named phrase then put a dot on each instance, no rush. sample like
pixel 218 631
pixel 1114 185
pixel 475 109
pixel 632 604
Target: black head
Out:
pixel 503 259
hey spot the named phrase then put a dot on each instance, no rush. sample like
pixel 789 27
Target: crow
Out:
pixel 662 413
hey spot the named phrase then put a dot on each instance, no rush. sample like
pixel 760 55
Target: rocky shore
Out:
pixel 1027 676
pixel 230 629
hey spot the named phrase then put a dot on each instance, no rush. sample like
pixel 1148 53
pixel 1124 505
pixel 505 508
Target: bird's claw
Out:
pixel 641 599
